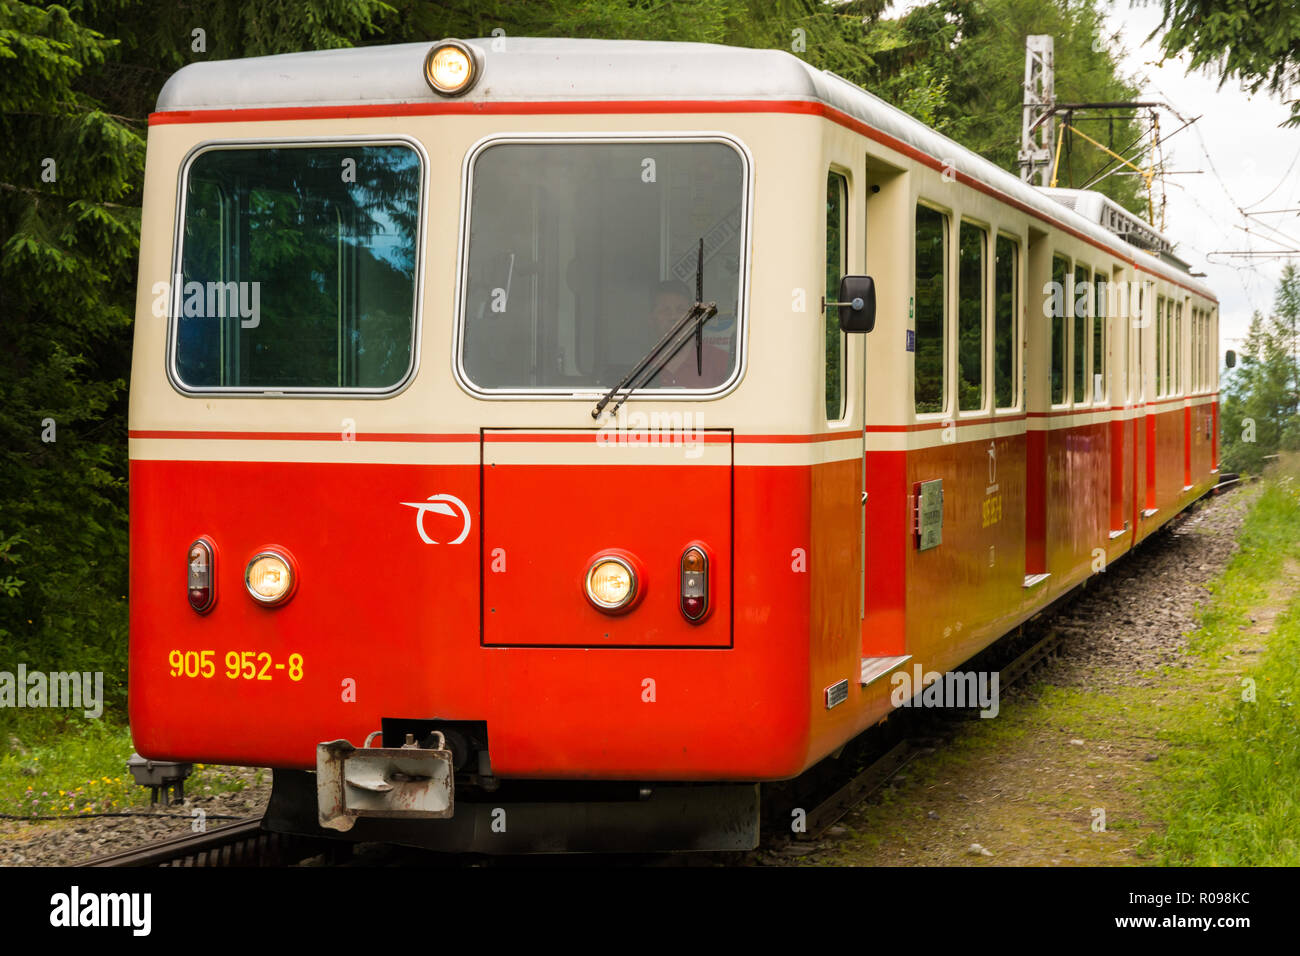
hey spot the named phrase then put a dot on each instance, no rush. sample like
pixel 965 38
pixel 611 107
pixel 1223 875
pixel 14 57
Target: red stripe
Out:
pixel 795 439
pixel 584 436
pixel 601 436
pixel 299 436
pixel 461 108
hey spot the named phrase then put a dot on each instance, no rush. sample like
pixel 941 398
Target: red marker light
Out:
pixel 201 593
pixel 694 584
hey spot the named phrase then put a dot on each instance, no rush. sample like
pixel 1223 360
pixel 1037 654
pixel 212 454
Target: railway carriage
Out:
pixel 531 490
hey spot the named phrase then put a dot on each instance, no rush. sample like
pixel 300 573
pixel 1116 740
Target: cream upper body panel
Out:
pixel 792 123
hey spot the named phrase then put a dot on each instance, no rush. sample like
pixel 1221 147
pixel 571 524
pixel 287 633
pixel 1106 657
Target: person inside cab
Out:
pixel 672 300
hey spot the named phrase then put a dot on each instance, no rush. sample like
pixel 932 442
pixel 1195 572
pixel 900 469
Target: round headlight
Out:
pixel 450 68
pixel 611 583
pixel 270 578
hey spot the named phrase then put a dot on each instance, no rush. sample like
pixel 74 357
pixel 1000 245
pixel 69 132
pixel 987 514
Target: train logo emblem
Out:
pixel 442 505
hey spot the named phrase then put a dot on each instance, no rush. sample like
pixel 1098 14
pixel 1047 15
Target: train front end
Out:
pixel 419 515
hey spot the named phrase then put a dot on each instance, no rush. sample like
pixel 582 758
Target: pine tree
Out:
pixel 1257 41
pixel 73 107
pixel 1260 415
pixel 69 223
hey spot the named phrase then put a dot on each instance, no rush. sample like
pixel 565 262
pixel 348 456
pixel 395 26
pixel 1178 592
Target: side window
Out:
pixel 1140 377
pixel 1082 315
pixel 1205 349
pixel 931 309
pixel 1060 306
pixel 1214 368
pixel 837 192
pixel 1131 331
pixel 1160 346
pixel 1006 343
pixel 1203 359
pixel 1178 349
pixel 1200 350
pixel 971 243
pixel 1100 329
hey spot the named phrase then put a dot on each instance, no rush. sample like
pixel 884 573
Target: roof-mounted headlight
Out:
pixel 451 68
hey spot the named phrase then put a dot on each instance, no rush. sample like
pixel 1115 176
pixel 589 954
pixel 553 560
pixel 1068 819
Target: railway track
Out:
pixel 244 843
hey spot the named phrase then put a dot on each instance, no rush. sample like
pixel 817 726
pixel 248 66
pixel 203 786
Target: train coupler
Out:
pixel 410 781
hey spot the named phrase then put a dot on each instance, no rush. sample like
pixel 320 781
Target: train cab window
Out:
pixel 836 266
pixel 298 266
pixel 931 310
pixel 1006 344
pixel 1060 305
pixel 971 244
pixel 1082 313
pixel 1100 327
pixel 581 255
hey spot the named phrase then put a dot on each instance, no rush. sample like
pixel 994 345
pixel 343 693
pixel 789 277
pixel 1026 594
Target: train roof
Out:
pixel 540 70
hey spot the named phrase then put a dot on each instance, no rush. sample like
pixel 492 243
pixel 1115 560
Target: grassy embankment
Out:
pixel 1230 788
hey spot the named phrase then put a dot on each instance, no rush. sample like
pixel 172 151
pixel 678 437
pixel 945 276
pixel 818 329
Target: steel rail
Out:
pixel 235 844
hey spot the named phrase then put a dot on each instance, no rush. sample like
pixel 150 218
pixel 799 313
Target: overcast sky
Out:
pixel 1238 136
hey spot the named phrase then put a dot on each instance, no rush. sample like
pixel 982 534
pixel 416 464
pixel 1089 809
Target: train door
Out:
pixel 1040 337
pixel 1184 389
pixel 837 530
pixel 886 525
pixel 1118 391
pixel 1137 335
pixel 1212 384
pixel 1155 387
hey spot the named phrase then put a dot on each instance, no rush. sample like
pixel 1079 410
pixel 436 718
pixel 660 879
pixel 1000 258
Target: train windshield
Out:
pixel 582 254
pixel 298 268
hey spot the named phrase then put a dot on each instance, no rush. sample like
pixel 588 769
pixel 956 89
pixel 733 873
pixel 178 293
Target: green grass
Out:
pixel 81 772
pixel 1230 789
pixel 68 774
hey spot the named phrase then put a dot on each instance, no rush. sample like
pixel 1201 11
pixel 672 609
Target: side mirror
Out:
pixel 857 304
pixel 1230 359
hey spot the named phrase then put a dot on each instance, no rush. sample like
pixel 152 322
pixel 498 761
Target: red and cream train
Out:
pixel 382 292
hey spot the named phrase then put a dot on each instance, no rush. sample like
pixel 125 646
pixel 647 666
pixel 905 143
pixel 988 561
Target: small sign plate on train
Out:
pixel 929 514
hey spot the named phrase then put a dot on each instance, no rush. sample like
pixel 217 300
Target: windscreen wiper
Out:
pixel 673 340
